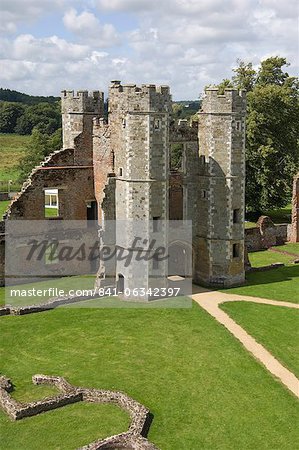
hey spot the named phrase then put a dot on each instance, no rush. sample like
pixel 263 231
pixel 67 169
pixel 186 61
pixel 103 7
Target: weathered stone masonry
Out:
pixel 121 168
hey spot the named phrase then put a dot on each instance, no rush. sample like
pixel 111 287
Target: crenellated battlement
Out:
pixel 232 100
pixel 82 102
pixel 144 98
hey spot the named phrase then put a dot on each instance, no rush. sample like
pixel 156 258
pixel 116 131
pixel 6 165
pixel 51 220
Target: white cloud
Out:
pixel 88 27
pixel 129 5
pixel 14 12
pixel 184 43
pixel 51 49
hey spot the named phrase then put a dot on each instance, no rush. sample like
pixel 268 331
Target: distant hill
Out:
pixel 14 96
pixel 185 109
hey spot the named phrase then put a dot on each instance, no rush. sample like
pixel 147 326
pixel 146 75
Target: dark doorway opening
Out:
pixel 120 283
pixel 92 210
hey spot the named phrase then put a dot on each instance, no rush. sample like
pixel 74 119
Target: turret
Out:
pixel 139 127
pixel 78 111
pixel 219 227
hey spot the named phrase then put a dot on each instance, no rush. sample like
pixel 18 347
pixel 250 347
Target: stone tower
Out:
pixel 139 126
pixel 218 222
pixel 78 112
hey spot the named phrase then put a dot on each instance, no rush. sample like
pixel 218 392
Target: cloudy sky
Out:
pixel 50 45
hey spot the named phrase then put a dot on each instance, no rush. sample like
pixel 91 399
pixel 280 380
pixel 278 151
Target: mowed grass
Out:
pixel 276 284
pixel 3 207
pixel 12 147
pixel 203 388
pixel 275 327
pixel 291 248
pixel 267 257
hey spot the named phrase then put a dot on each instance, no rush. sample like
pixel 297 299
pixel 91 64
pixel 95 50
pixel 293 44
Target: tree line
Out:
pixel 21 118
pixel 8 95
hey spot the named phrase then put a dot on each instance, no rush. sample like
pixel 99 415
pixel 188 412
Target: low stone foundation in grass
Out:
pixel 140 416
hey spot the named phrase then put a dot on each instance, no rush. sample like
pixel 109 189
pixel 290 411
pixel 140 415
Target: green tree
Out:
pixel 9 115
pixel 271 72
pixel 272 136
pixel 226 83
pixel 245 76
pixel 39 146
pixel 45 116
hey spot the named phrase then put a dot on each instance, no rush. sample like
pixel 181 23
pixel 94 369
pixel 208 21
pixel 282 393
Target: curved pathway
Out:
pixel 210 301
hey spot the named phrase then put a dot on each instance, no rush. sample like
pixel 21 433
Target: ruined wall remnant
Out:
pixel 69 170
pixel 78 112
pixel 74 184
pixel 265 235
pixel 133 439
pixel 295 211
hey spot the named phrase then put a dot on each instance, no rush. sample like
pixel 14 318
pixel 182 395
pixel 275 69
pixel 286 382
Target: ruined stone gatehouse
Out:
pixel 120 170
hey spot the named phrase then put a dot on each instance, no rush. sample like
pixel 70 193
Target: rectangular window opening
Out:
pixel 238 125
pixel 156 224
pixel 51 205
pixel 236 250
pixel 157 124
pixel 176 157
pixel 155 262
pixel 51 254
pixel 236 216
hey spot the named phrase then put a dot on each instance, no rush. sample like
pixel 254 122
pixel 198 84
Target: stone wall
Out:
pixel 265 235
pixel 139 414
pixel 61 170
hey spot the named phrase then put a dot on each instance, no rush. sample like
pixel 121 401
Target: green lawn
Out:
pixel 3 207
pixel 274 327
pixel 203 388
pixel 276 284
pixel 266 257
pixel 51 212
pixel 291 248
pixel 250 225
pixel 11 151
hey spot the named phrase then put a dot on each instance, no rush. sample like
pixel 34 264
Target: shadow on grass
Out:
pixel 281 274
